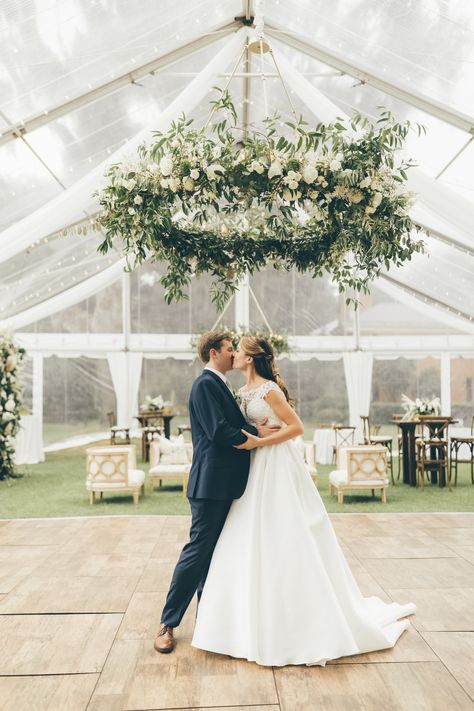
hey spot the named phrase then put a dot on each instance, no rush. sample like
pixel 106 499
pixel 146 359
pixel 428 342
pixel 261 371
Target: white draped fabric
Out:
pixel 358 374
pixel 438 200
pixel 29 441
pixel 65 299
pixel 125 369
pixel 75 202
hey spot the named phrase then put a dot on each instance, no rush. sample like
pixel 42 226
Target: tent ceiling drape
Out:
pixel 439 208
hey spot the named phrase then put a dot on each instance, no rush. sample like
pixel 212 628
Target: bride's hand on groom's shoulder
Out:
pixel 250 443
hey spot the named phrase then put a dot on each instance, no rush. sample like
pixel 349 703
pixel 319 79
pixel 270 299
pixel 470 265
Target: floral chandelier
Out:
pixel 225 200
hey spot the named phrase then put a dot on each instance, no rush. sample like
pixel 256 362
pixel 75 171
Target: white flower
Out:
pixel 335 164
pixel 376 199
pixel 310 174
pixel 138 199
pixel 174 184
pixel 175 143
pixel 293 184
pixel 166 165
pixel 274 169
pixel 287 194
pixel 216 152
pixel 213 170
pixel 10 405
pixel 188 183
pixel 241 156
pixel 8 428
pixel 365 183
pixel 131 211
pixel 165 183
pixel 294 175
pixel 129 184
pixel 7 416
pixel 369 210
pixel 256 167
pixel 194 174
pixel 356 196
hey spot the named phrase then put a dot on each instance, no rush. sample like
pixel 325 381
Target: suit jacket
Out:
pixel 218 471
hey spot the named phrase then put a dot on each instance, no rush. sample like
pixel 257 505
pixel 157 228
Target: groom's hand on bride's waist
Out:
pixel 250 443
pixel 264 430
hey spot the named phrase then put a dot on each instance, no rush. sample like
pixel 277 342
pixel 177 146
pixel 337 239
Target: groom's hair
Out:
pixel 211 339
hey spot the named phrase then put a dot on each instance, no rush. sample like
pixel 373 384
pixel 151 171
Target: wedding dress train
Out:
pixel 279 590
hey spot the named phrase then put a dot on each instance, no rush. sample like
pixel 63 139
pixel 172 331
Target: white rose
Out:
pixel 369 210
pixel 256 167
pixel 188 183
pixel 165 183
pixel 138 200
pixel 7 416
pixel 376 200
pixel 175 143
pixel 274 169
pixel 166 165
pixel 10 405
pixel 174 184
pixel 129 184
pixel 213 170
pixel 287 194
pixel 293 175
pixel 320 179
pixel 194 174
pixel 356 196
pixel 365 183
pixel 241 156
pixel 335 164
pixel 293 184
pixel 310 174
pixel 8 428
pixel 131 211
pixel 3 393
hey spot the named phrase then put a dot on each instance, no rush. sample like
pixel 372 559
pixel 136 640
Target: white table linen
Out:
pixel 324 441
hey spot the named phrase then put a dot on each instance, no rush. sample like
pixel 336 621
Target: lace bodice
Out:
pixel 254 406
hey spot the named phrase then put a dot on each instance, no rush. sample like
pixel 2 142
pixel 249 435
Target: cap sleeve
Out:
pixel 268 387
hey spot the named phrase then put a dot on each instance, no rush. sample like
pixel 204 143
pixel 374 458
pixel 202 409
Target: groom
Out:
pixel 218 475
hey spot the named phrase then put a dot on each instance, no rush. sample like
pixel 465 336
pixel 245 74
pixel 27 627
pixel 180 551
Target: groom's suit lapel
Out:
pixel 209 373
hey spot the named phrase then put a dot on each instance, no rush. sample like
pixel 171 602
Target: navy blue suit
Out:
pixel 218 475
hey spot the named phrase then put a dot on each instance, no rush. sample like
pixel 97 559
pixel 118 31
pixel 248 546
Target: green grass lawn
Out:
pixel 57 488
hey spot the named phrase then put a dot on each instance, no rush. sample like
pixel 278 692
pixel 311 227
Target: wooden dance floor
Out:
pixel 80 601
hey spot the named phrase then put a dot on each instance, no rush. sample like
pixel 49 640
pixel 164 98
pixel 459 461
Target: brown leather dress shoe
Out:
pixel 165 642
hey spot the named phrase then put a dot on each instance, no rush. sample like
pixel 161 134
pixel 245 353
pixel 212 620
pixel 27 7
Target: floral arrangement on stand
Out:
pixel 420 406
pixel 157 404
pixel 11 357
pixel 278 340
pixel 330 198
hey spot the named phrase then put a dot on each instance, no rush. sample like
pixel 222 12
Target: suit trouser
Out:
pixel 208 518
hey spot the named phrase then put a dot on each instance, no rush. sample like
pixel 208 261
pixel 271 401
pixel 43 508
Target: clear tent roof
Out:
pixel 80 78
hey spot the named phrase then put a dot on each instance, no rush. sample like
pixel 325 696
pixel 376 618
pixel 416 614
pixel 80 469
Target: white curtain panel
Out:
pixel 358 374
pixel 70 206
pixel 126 370
pixel 437 199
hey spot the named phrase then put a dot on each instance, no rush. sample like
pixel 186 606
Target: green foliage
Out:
pixel 331 199
pixel 278 340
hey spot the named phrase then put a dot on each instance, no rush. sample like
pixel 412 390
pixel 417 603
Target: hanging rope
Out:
pixel 214 108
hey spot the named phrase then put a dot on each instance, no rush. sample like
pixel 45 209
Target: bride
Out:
pixel 279 590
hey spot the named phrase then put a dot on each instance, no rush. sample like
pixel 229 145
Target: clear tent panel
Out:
pixel 418 378
pixel 78 393
pixel 318 388
pixel 172 379
pixel 462 389
pixel 425 45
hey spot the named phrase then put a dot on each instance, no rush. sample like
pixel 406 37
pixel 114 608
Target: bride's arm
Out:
pixel 285 412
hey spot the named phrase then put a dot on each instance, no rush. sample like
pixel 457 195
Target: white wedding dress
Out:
pixel 279 590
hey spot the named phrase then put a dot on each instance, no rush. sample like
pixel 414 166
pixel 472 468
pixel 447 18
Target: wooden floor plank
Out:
pixel 439 610
pixel 422 573
pixel 17 562
pixel 425 686
pixel 398 547
pixel 46 693
pixel 411 647
pixel 55 644
pixel 40 532
pixel 456 651
pixel 48 595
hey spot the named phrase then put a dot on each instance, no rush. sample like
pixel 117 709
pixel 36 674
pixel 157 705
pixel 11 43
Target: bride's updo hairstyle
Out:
pixel 264 361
